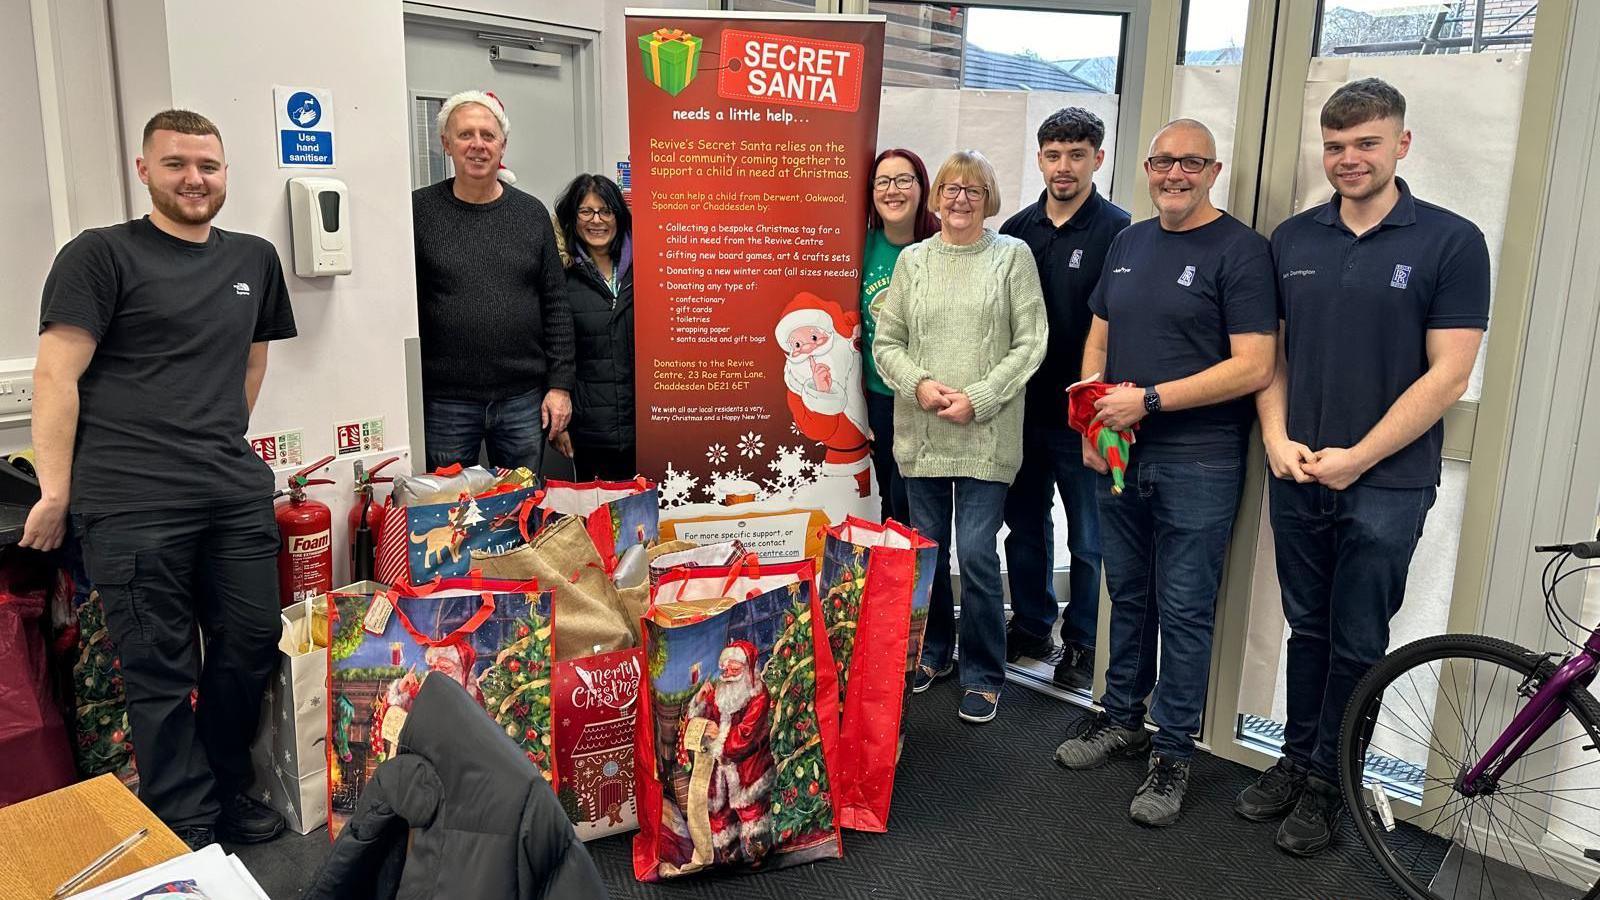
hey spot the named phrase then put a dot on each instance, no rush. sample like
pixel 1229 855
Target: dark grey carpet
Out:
pixel 983 812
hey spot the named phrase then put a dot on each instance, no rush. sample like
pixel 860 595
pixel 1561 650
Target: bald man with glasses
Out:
pixel 1186 313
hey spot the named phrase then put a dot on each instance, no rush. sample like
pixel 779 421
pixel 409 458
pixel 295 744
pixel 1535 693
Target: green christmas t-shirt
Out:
pixel 876 267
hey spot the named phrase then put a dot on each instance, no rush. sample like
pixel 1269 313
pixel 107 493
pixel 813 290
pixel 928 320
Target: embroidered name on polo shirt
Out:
pixel 1298 273
pixel 1402 277
pixel 242 289
pixel 1121 270
pixel 1077 259
pixel 1187 278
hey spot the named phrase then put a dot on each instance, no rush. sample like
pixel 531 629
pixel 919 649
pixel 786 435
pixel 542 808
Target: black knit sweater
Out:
pixel 491 296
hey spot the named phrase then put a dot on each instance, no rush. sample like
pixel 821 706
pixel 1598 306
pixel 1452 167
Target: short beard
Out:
pixel 1067 197
pixel 170 207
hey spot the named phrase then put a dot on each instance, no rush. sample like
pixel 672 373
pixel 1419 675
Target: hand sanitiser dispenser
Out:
pixel 319 210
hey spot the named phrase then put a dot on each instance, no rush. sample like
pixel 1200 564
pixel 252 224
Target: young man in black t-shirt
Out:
pixel 1185 312
pixel 152 349
pixel 1384 300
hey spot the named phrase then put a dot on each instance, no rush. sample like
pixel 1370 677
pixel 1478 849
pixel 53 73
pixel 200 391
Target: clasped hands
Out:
pixel 944 401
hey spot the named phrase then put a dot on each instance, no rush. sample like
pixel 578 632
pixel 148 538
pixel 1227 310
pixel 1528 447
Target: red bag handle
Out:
pixel 473 580
pixel 750 563
pixel 526 510
pixel 455 637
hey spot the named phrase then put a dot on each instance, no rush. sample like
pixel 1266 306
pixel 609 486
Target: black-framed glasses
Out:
pixel 1194 165
pixel 588 215
pixel 903 182
pixel 952 191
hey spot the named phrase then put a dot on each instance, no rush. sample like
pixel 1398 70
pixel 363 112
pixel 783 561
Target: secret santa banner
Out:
pixel 752 139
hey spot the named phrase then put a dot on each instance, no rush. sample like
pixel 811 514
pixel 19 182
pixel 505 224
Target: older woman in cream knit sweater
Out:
pixel 961 327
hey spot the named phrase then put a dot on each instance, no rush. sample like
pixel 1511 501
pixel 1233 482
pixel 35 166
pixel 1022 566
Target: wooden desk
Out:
pixel 48 839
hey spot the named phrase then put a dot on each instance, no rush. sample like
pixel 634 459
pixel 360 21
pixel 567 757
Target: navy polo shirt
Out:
pixel 1069 259
pixel 1356 313
pixel 1171 300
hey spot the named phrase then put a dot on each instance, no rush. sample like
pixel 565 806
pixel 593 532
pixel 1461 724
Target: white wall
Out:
pixel 25 236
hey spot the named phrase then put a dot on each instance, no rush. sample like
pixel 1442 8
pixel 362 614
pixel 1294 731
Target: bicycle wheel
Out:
pixel 1453 695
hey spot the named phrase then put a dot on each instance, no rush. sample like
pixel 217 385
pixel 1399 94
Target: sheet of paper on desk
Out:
pixel 209 874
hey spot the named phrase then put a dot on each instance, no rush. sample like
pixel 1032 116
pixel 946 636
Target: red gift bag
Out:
pixel 738 723
pixel 875 584
pixel 33 738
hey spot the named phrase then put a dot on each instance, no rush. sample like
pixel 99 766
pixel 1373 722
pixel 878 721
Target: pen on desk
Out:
pixel 94 868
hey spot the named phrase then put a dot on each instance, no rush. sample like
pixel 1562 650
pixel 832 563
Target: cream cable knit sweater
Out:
pixel 973 318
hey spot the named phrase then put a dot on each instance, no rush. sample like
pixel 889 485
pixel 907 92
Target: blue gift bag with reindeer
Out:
pixel 423 542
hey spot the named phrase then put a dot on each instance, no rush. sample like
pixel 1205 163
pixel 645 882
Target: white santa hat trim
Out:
pixel 488 101
pixel 800 318
pixel 735 651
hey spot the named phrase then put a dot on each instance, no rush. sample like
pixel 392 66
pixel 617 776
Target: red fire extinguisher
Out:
pixel 366 521
pixel 305 529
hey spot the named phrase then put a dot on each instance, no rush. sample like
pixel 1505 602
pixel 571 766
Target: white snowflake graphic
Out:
pixel 717 454
pixel 794 428
pixel 676 488
pixel 751 445
pixel 791 472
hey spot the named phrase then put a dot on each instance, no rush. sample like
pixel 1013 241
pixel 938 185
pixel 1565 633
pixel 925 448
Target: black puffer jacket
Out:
pixel 483 824
pixel 602 409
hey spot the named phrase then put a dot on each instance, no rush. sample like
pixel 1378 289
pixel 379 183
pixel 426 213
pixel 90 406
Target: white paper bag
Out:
pixel 290 754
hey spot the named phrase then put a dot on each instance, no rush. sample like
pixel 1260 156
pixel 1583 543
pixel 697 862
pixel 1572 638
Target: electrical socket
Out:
pixel 16 395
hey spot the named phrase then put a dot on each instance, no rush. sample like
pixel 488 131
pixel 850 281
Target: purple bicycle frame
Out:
pixel 1532 721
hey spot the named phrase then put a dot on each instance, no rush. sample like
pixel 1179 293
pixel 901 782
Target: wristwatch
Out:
pixel 1152 400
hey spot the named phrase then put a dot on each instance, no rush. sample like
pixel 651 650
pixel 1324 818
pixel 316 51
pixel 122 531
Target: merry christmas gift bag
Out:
pixel 875 584
pixel 493 637
pixel 618 514
pixel 434 525
pixel 737 724
pixel 596 710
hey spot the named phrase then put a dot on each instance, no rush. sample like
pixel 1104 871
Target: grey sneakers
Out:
pixel 1098 740
pixel 1160 798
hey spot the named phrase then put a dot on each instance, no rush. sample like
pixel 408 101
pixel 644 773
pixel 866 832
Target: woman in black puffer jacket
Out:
pixel 597 231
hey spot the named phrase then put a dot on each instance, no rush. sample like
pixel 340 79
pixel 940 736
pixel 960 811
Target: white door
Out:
pixel 534 75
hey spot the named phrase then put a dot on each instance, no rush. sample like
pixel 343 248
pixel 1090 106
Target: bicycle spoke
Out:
pixel 1471 746
pixel 1551 861
pixel 1426 742
pixel 1511 845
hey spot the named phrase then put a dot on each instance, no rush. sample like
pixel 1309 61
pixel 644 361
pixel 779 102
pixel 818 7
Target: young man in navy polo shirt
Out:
pixel 1384 300
pixel 1187 312
pixel 1069 229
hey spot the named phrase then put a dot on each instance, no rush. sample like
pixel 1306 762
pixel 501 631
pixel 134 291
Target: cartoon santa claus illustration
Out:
pixel 737 712
pixel 822 370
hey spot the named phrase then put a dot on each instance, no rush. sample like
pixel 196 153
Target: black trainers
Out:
pixel 1272 794
pixel 926 676
pixel 1309 829
pixel 1159 799
pixel 1019 643
pixel 245 821
pixel 195 836
pixel 1075 671
pixel 1096 739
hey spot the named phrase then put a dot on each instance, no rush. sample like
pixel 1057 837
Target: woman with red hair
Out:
pixel 897 216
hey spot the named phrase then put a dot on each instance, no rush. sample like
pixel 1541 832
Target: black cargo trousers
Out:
pixel 170 579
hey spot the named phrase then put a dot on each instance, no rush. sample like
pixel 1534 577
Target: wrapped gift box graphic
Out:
pixel 670 56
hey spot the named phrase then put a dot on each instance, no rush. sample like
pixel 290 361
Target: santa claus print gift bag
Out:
pixel 738 724
pixel 439 525
pixel 875 584
pixel 493 637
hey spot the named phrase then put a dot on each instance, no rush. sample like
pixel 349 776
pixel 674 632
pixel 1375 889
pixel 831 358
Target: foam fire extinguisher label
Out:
pixel 362 436
pixel 311 563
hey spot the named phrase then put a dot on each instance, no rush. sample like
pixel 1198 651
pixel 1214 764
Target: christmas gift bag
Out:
pixel 619 514
pixel 89 673
pixel 434 525
pixel 493 637
pixel 875 584
pixel 590 616
pixel 669 56
pixel 1116 446
pixel 685 554
pixel 737 723
pixel 596 708
pixel 288 757
pixel 33 738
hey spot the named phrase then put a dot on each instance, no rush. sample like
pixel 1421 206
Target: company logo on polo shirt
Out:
pixel 1187 278
pixel 1298 273
pixel 241 289
pixel 1121 270
pixel 1402 277
pixel 1077 259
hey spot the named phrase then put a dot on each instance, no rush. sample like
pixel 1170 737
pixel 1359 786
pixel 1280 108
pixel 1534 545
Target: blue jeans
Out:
pixel 978 506
pixel 1164 539
pixel 511 428
pixel 1342 562
pixel 891 487
pixel 1053 460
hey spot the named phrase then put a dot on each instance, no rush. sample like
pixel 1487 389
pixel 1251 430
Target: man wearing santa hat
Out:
pixel 822 372
pixel 738 713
